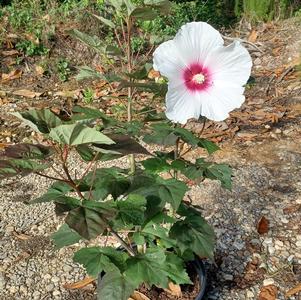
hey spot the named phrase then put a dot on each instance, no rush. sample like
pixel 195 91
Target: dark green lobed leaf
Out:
pixel 65 236
pixel 42 120
pixel 25 151
pixel 99 259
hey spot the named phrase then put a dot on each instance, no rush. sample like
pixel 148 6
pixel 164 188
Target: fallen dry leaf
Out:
pixel 174 289
pixel 21 236
pixel 263 225
pixel 153 74
pixel 2 93
pixel 138 296
pixel 293 291
pixel 23 255
pixel 68 94
pixel 79 284
pixel 292 209
pixel 39 70
pixel 15 74
pixel 27 93
pixel 268 292
pixel 253 36
pixel 10 52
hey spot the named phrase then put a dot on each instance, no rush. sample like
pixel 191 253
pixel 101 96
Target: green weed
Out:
pixel 63 69
pixel 88 95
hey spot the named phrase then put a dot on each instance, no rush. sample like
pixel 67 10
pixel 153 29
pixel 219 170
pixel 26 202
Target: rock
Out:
pixel 268 281
pixel 12 290
pixel 284 220
pixel 227 277
pixel 278 131
pixel 250 295
pixel 268 292
pixel 2 282
pixel 278 244
pixel 9 229
pixel 298 244
pixel 238 245
pixel 56 293
pixel 36 295
pixel 268 241
pixel 23 289
pixel 257 61
pixel 49 287
pixel 67 268
pixel 55 279
pixel 271 250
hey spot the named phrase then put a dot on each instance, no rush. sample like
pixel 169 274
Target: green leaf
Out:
pixel 25 150
pixel 124 145
pixel 163 6
pixel 99 259
pixel 162 135
pixel 156 165
pixel 115 285
pixel 140 73
pixel 194 233
pixel 131 210
pixel 57 190
pixel 91 41
pixel 159 89
pixel 138 238
pixel 65 236
pixel 13 167
pixel 208 145
pixel 158 232
pixel 116 3
pixel 41 121
pixel 90 220
pixel 88 73
pixel 172 191
pixel 105 21
pixel 221 172
pixel 109 181
pixel 186 135
pixel 77 134
pixel 87 113
pixel 130 7
pixel 176 270
pixel 144 13
pixel 113 51
pixel 148 268
pixel 89 153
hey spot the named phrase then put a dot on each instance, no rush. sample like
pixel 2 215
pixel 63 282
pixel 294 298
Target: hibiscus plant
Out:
pixel 144 206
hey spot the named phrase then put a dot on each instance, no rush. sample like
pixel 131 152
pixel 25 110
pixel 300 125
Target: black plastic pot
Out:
pixel 201 271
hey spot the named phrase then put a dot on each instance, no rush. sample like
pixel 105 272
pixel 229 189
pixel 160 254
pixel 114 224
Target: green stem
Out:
pixel 130 91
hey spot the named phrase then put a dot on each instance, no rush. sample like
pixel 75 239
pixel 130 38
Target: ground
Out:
pixel 258 228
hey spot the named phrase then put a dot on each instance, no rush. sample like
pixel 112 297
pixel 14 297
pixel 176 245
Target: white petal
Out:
pixel 219 100
pixel 182 105
pixel 230 64
pixel 196 40
pixel 167 60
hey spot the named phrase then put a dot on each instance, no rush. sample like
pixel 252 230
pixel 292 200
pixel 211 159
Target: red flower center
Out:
pixel 197 77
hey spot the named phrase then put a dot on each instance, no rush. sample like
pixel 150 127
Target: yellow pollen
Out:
pixel 198 78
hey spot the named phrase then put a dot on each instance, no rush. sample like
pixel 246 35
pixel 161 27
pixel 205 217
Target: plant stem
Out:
pixel 130 91
pixel 176 156
pixel 50 177
pixel 127 247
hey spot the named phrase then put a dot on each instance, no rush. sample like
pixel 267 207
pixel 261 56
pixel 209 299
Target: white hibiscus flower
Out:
pixel 205 78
